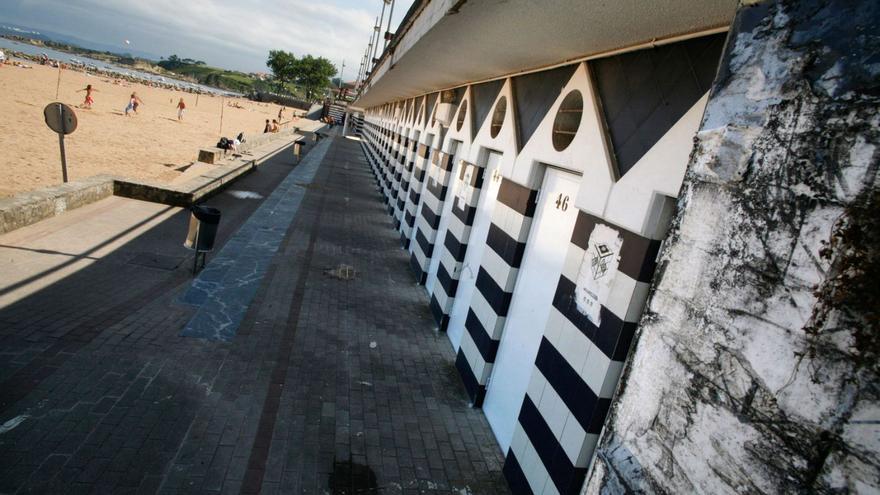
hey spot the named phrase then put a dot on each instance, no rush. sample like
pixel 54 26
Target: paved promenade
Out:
pixel 329 380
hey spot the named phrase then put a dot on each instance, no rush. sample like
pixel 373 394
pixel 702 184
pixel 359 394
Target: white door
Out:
pixel 476 245
pixel 530 306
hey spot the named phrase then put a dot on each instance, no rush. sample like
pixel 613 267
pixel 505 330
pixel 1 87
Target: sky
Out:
pixel 233 34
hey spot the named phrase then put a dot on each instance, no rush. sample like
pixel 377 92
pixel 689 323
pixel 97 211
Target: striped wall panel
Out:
pixel 406 168
pixel 508 232
pixel 468 185
pixel 397 181
pixel 428 218
pixel 581 355
pixel 411 204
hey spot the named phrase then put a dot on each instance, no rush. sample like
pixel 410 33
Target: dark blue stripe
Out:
pixel 410 219
pixel 497 298
pixel 466 214
pixel 613 336
pixel 513 473
pixel 439 316
pixel 414 196
pixel 638 255
pixel 432 218
pixel 417 269
pixel 475 391
pixel 427 247
pixel 449 284
pixel 566 477
pixel 455 248
pixel 439 191
pixel 518 197
pixel 507 248
pixel 584 404
pixel 488 348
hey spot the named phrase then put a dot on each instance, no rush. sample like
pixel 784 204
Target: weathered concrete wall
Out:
pixel 31 207
pixel 756 365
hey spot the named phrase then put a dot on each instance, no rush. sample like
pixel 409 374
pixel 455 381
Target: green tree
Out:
pixel 283 66
pixel 313 74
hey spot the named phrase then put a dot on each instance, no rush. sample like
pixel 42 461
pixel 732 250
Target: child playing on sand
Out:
pixel 87 103
pixel 274 126
pixel 133 103
pixel 268 127
pixel 181 108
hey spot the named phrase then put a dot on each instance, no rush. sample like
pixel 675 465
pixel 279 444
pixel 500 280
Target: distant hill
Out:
pixel 119 49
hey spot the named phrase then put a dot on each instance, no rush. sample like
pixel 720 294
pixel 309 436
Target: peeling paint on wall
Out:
pixel 755 368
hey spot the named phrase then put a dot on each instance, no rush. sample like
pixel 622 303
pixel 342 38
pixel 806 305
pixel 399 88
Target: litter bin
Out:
pixel 203 224
pixel 297 149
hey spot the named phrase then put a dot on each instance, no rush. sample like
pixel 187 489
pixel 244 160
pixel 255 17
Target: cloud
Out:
pixel 228 33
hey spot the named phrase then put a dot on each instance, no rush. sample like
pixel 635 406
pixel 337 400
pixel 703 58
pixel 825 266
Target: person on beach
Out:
pixel 268 127
pixel 181 109
pixel 133 103
pixel 275 127
pixel 87 103
pixel 280 114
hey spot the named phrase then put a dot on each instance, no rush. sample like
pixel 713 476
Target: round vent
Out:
pixel 498 117
pixel 568 119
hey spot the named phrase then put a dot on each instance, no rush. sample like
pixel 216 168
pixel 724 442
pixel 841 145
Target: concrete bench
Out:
pixel 210 155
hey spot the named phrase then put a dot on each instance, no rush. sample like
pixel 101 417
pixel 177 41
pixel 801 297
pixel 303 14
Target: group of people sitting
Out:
pixel 230 144
pixel 271 127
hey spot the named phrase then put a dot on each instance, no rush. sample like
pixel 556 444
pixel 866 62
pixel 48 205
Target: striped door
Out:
pixel 468 186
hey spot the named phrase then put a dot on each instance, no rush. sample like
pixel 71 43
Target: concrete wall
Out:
pixel 756 363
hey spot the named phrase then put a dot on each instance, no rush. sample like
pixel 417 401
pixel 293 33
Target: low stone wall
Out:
pixel 28 208
pixel 31 207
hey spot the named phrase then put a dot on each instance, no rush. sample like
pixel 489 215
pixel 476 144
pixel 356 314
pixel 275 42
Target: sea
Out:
pixel 7 44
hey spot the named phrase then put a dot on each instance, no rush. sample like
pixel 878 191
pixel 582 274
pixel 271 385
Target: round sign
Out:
pixel 60 118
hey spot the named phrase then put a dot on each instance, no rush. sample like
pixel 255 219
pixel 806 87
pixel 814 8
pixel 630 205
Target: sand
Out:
pixel 150 145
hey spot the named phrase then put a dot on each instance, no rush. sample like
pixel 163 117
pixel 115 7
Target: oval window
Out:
pixel 568 119
pixel 461 116
pixel 498 117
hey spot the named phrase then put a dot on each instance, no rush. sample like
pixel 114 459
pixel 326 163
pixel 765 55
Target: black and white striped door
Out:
pixel 531 302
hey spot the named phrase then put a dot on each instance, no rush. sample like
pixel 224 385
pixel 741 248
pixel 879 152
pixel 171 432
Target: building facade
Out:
pixel 624 222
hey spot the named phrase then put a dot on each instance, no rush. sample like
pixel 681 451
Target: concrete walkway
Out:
pixel 332 384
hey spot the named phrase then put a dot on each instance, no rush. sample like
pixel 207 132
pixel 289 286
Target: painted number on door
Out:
pixel 562 202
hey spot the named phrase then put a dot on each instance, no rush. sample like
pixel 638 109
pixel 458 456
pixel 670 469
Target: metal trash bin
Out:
pixel 203 223
pixel 297 149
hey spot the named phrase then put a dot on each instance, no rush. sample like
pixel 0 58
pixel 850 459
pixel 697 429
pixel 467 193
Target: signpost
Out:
pixel 61 119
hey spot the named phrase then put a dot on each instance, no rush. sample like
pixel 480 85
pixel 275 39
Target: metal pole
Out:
pixel 222 104
pixel 63 158
pixel 196 257
pixel 58 86
pixel 61 144
pixel 388 29
pixel 197 99
pixel 377 28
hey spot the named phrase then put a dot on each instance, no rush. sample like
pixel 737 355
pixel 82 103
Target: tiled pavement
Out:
pixel 329 386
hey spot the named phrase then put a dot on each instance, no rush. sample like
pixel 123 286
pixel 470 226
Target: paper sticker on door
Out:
pixel 597 271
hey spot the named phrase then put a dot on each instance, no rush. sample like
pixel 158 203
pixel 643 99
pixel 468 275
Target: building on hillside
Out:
pixel 631 221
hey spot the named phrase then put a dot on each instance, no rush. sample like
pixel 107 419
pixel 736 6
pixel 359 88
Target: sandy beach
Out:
pixel 150 145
